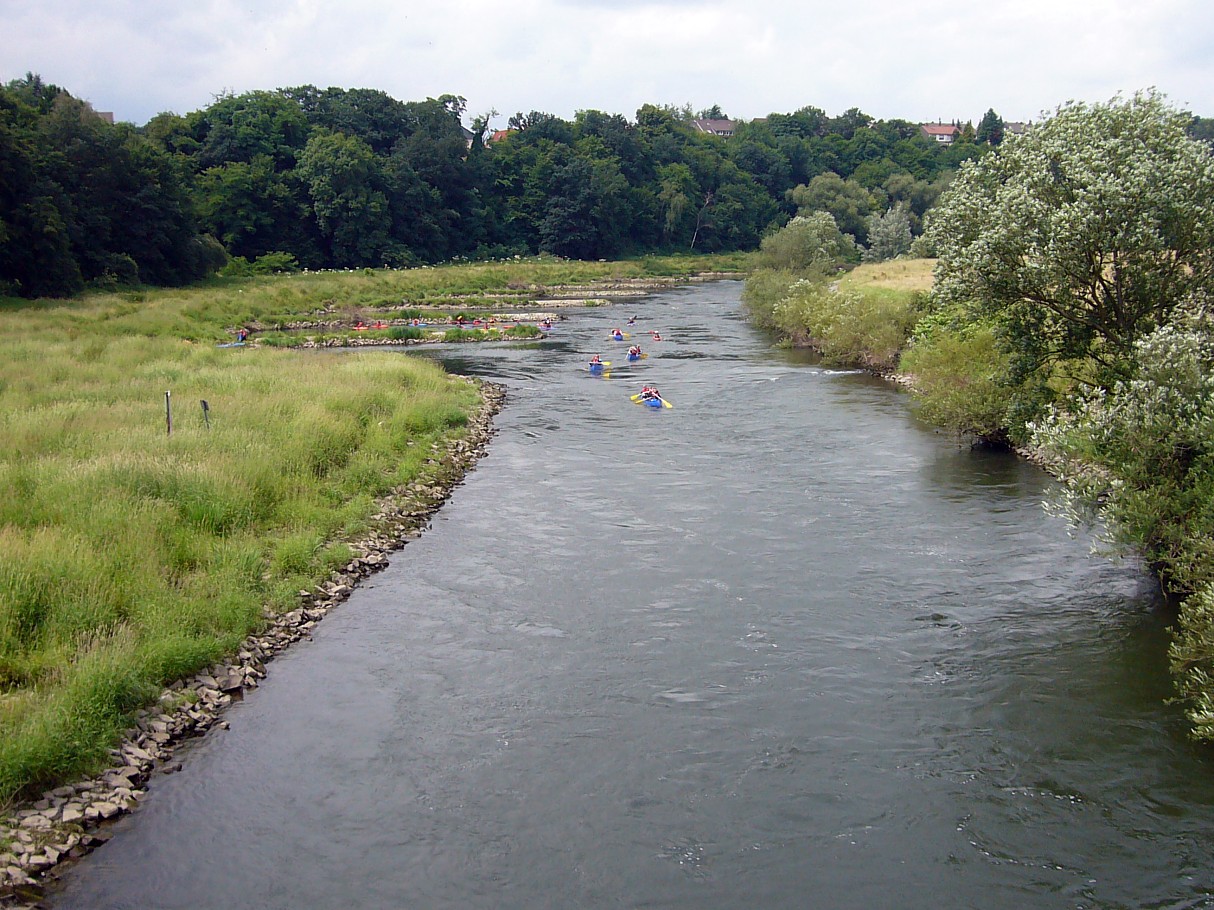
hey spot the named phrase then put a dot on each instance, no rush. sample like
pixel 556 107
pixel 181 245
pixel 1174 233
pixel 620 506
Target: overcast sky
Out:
pixel 920 60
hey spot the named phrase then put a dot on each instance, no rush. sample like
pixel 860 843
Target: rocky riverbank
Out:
pixel 68 822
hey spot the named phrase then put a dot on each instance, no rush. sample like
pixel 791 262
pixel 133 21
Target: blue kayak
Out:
pixel 652 402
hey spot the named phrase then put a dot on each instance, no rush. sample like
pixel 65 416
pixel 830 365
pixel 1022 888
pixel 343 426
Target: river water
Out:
pixel 779 646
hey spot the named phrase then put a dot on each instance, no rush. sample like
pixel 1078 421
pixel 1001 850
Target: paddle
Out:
pixel 601 363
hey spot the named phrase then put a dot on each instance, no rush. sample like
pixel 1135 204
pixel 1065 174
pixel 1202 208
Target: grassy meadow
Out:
pixel 133 557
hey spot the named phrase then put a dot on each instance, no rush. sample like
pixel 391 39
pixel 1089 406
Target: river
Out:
pixel 781 645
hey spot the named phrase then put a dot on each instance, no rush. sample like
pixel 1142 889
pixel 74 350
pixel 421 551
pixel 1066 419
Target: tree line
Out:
pixel 350 178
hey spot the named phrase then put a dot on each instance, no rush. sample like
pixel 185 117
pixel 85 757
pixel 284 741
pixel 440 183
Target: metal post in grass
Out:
pixel 168 413
pixel 206 413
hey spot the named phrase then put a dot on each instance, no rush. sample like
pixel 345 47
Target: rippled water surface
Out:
pixel 779 646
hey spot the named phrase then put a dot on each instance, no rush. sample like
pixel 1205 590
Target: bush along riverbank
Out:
pixel 67 821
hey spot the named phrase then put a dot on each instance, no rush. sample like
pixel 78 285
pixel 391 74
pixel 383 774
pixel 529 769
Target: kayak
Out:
pixel 598 367
pixel 634 356
pixel 652 402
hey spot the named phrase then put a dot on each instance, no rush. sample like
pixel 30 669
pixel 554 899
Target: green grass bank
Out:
pixel 134 556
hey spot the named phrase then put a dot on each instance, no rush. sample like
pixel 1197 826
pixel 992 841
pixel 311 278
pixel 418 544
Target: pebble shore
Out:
pixel 68 822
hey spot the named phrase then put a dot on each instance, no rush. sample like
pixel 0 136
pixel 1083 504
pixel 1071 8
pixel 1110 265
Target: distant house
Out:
pixel 1014 128
pixel 499 135
pixel 469 136
pixel 944 133
pixel 715 127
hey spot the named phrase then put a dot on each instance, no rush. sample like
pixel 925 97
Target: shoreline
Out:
pixel 68 822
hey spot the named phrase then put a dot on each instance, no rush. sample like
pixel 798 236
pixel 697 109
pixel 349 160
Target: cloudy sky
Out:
pixel 918 60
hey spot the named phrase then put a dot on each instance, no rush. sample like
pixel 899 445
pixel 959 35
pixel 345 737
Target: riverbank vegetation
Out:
pixel 801 291
pixel 133 556
pixel 1070 312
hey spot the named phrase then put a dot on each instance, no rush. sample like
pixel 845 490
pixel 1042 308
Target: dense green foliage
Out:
pixel 1079 237
pixel 83 201
pixel 350 178
pixel 799 292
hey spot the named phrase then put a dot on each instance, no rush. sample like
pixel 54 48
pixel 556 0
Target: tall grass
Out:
pixel 159 551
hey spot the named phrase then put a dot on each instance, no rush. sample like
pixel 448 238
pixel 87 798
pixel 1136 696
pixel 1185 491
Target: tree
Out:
pixel 846 200
pixel 253 210
pixel 346 184
pixel 804 123
pixel 808 243
pixel 585 216
pixel 538 125
pixel 1083 235
pixel 847 123
pixel 676 196
pixel 241 127
pixel 990 128
pixel 889 234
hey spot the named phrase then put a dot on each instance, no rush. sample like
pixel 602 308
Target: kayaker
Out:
pixel 632 320
pixel 656 336
pixel 617 335
pixel 595 359
pixel 634 351
pixel 649 393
